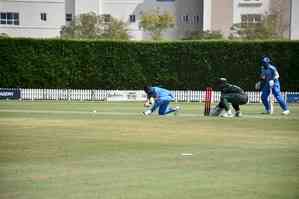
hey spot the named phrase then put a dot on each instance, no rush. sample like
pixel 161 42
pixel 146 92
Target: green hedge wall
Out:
pixel 31 63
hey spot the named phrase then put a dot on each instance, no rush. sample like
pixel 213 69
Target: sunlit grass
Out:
pixel 64 150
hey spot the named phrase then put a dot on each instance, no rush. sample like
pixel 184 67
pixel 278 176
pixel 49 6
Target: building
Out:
pixel 294 33
pixel 32 18
pixel 44 18
pixel 281 9
pixel 221 15
pixel 218 16
pixel 188 13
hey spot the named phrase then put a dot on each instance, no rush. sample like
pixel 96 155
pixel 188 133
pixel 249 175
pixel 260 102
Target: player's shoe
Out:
pixel 227 114
pixel 217 111
pixel 147 112
pixel 238 114
pixel 267 113
pixel 286 112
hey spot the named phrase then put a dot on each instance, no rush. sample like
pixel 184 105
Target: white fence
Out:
pixel 121 95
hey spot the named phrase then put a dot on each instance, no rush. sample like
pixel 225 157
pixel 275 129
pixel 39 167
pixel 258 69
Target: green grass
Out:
pixel 51 149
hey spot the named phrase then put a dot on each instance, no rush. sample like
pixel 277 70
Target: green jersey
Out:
pixel 230 88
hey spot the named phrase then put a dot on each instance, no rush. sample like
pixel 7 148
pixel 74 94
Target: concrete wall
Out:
pixel 222 16
pixel 31 24
pixel 207 15
pixel 295 20
pixel 122 9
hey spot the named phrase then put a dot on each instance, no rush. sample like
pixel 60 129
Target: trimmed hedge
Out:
pixel 31 63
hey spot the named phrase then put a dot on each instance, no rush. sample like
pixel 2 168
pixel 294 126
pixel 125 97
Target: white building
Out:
pixel 294 19
pixel 221 15
pixel 250 11
pixel 188 13
pixel 44 18
pixel 32 18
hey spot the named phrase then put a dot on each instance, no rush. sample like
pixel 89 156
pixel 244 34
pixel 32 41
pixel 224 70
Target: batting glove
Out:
pixel 147 112
pixel 271 83
pixel 257 85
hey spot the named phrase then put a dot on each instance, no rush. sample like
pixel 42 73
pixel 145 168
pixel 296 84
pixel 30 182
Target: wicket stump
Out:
pixel 208 101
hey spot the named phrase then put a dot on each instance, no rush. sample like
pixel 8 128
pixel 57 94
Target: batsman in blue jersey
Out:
pixel 162 97
pixel 270 83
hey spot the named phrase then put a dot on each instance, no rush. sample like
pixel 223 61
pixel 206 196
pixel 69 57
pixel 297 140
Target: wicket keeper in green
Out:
pixel 230 94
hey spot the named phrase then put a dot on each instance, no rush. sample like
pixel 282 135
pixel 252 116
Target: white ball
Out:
pixel 94 111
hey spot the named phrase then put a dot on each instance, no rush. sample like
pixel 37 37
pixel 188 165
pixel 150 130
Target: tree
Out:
pixel 116 30
pixel 265 29
pixel 91 26
pixel 156 22
pixel 204 35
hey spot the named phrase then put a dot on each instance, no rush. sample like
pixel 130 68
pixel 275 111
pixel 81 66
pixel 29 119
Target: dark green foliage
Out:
pixel 130 65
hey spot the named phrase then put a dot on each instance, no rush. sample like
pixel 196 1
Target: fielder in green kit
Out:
pixel 230 94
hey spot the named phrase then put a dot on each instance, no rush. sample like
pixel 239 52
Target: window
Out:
pixel 250 19
pixel 3 18
pixel 68 17
pixel 186 19
pixel 250 3
pixel 132 18
pixel 196 19
pixel 43 16
pixel 9 18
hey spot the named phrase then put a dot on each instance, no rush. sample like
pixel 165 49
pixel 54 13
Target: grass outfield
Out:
pixel 64 150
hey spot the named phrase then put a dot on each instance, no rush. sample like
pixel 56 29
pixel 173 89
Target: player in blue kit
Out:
pixel 162 97
pixel 270 83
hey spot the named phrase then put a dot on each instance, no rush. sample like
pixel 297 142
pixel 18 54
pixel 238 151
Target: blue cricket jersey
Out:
pixel 269 73
pixel 162 94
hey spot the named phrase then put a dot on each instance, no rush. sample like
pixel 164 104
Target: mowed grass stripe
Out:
pixel 180 114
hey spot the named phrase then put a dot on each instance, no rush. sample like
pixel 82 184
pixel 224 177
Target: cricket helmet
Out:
pixel 265 60
pixel 148 89
pixel 222 79
pixel 221 82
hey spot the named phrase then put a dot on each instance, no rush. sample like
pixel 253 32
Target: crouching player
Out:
pixel 160 99
pixel 229 94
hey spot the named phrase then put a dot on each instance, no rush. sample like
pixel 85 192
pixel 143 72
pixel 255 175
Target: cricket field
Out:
pixel 101 150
